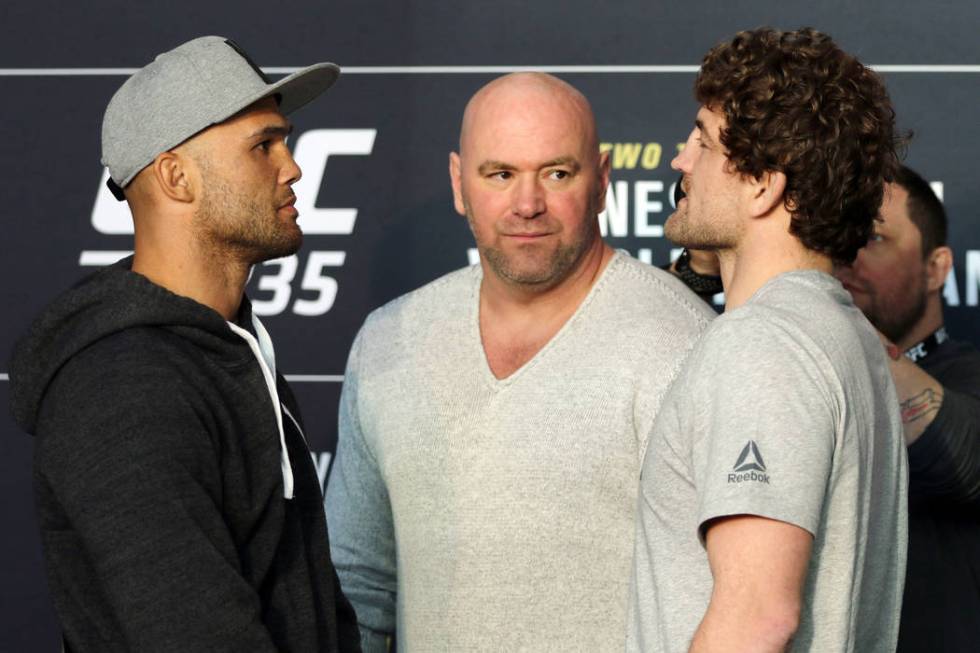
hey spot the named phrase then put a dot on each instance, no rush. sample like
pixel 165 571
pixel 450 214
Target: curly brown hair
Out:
pixel 795 103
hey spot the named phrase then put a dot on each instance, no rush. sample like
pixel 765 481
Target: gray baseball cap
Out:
pixel 186 90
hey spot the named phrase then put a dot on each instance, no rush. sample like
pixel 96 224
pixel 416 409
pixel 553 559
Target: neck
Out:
pixel 747 267
pixel 501 297
pixel 932 319
pixel 515 323
pixel 184 268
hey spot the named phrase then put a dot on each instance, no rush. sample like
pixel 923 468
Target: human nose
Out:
pixel 289 171
pixel 528 198
pixel 856 266
pixel 685 158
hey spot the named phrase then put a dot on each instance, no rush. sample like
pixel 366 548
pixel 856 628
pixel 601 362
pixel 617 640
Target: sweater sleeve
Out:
pixel 945 460
pixel 362 538
pixel 129 505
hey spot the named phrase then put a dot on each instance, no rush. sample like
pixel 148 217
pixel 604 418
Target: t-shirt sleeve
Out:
pixel 765 430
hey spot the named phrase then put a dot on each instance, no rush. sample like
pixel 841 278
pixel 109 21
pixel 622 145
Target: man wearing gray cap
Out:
pixel 178 505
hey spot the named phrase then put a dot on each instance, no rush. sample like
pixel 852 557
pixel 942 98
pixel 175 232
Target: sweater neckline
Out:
pixel 476 337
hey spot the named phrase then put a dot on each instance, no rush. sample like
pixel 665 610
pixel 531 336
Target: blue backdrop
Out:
pixel 375 196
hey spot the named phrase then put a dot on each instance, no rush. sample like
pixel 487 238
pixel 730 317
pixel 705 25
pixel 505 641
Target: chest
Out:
pixel 508 346
pixel 448 420
pixel 507 355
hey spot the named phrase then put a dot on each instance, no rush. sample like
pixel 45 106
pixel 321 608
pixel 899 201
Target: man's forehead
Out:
pixel 711 119
pixel 535 151
pixel 894 206
pixel 257 118
pixel 538 135
pixel 263 114
pixel 896 223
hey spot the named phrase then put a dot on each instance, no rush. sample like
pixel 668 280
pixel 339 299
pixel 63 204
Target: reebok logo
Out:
pixel 750 466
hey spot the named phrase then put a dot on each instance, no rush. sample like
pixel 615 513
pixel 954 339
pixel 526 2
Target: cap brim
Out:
pixel 294 91
pixel 303 86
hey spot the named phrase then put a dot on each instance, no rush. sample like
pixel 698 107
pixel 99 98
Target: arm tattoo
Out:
pixel 921 405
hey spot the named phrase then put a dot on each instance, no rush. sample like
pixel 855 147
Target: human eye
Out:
pixel 558 174
pixel 264 146
pixel 500 175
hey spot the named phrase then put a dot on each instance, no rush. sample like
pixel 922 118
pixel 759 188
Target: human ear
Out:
pixel 768 193
pixel 938 265
pixel 457 184
pixel 603 181
pixel 172 174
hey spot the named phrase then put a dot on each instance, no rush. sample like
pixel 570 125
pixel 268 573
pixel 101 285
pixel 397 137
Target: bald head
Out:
pixel 527 97
pixel 530 180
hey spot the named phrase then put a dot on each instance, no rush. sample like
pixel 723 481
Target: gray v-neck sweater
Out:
pixel 499 514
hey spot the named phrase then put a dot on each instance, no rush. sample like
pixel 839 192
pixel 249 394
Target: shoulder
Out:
pixel 958 367
pixel 639 290
pixel 132 383
pixel 131 416
pixel 806 311
pixel 760 337
pixel 412 314
pixel 451 288
pixel 759 350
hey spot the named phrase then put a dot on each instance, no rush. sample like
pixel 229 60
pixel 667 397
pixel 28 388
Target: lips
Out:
pixel 851 287
pixel 526 237
pixel 288 208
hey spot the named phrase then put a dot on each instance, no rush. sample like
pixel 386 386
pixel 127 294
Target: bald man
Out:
pixel 492 423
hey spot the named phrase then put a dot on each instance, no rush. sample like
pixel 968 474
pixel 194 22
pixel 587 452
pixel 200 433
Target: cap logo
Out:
pixel 258 71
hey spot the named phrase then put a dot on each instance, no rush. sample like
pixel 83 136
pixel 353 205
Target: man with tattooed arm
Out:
pixel 897 281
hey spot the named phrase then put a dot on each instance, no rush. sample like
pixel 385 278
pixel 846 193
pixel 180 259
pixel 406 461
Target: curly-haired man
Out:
pixel 772 510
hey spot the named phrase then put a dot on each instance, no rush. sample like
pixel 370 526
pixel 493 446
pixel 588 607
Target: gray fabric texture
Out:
pixel 494 514
pixel 197 84
pixel 785 410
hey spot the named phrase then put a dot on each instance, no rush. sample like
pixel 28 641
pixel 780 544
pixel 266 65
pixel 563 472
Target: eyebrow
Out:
pixel 568 161
pixel 272 130
pixel 491 165
pixel 703 131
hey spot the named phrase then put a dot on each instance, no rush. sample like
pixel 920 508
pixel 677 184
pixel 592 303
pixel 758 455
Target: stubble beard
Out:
pixel 232 224
pixel 896 319
pixel 708 234
pixel 546 270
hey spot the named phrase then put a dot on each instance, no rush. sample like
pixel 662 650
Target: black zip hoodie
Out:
pixel 159 479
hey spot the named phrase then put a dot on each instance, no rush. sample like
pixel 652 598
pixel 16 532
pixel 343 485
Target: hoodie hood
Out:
pixel 106 302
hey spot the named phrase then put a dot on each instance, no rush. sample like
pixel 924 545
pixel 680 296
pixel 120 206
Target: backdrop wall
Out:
pixel 375 199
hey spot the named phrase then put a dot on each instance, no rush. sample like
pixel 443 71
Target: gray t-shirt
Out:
pixel 786 410
pixel 498 514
